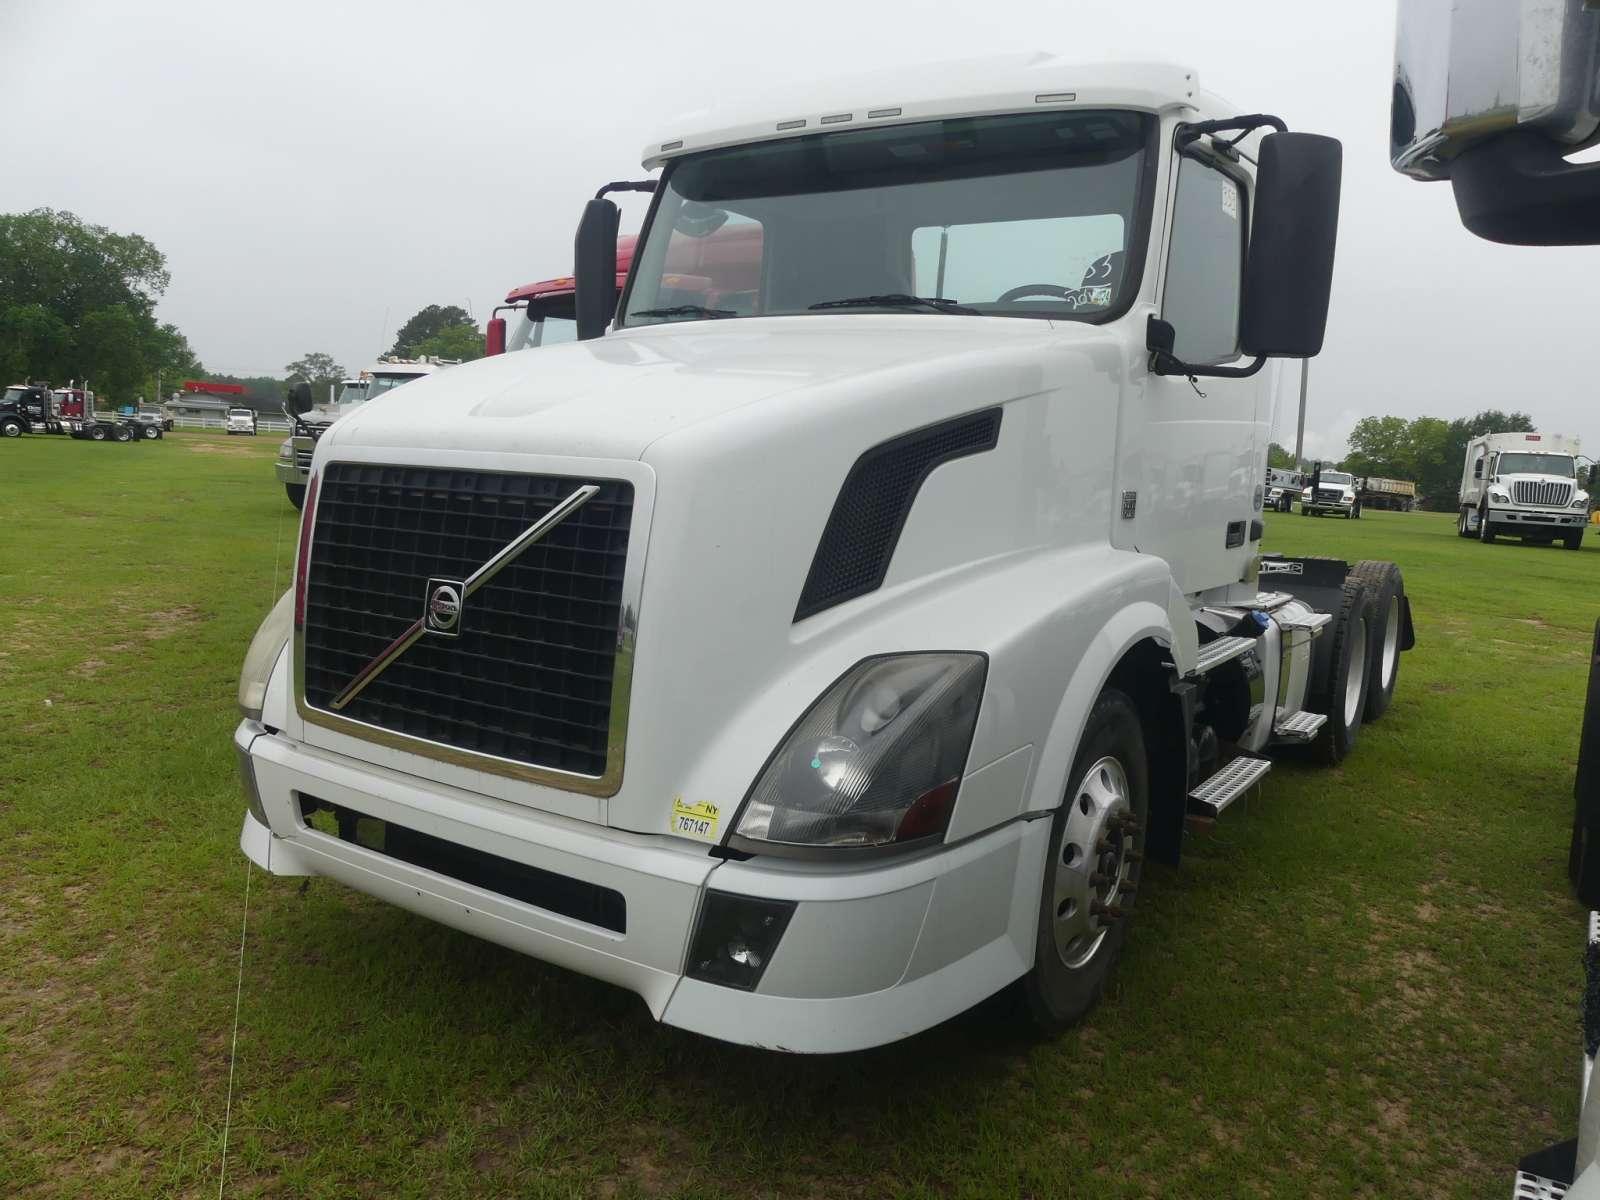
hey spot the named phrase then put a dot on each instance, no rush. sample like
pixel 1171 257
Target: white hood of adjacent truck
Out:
pixel 612 397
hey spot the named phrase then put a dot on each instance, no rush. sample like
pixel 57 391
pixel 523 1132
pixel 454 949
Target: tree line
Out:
pixel 77 302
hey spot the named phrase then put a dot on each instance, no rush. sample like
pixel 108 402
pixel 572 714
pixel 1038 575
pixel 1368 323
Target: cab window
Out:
pixel 1205 264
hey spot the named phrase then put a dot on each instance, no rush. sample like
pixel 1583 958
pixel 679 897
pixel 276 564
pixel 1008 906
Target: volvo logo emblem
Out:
pixel 442 608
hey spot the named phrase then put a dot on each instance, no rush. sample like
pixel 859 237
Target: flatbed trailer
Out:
pixel 1395 495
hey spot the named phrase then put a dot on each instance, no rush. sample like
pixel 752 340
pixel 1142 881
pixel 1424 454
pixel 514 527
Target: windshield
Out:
pixel 539 328
pixel 1337 477
pixel 379 384
pixel 354 391
pixel 1535 464
pixel 1030 215
pixel 13 394
pixel 246 413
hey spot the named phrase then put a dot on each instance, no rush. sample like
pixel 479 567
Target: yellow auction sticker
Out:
pixel 694 820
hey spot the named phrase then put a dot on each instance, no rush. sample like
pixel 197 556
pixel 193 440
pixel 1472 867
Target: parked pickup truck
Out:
pixel 824 640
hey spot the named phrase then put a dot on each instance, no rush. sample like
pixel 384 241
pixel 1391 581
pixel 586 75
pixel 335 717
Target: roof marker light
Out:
pixel 1055 97
pixel 677 145
pixel 835 118
pixel 800 124
pixel 875 113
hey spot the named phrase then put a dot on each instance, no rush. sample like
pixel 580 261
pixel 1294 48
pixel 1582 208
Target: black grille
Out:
pixel 859 540
pixel 1329 495
pixel 575 898
pixel 529 677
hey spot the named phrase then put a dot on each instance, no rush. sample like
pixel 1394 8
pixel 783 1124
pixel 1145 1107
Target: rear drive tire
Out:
pixel 1342 694
pixel 1096 835
pixel 297 494
pixel 123 434
pixel 1386 589
pixel 97 434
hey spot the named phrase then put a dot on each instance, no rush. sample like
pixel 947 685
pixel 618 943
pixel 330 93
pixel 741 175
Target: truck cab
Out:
pixel 241 420
pixel 28 408
pixel 293 467
pixel 821 642
pixel 1523 485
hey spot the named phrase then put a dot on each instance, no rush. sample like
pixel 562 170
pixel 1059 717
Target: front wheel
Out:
pixel 1485 534
pixel 1574 539
pixel 1463 524
pixel 1355 511
pixel 97 434
pixel 152 432
pixel 297 494
pixel 10 427
pixel 1092 872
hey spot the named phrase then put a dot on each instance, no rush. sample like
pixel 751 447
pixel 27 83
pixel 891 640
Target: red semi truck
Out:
pixel 546 316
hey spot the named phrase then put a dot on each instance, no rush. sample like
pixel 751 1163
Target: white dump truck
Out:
pixel 293 467
pixel 825 640
pixel 1524 485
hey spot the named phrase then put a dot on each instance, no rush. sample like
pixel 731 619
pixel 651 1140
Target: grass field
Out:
pixel 1363 982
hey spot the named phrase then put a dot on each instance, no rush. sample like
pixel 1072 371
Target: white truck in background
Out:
pixel 293 467
pixel 1523 485
pixel 1330 493
pixel 823 641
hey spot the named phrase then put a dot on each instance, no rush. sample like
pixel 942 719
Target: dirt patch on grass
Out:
pixel 89 668
pixel 229 447
pixel 165 622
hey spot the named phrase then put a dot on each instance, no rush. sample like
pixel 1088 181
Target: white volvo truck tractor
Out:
pixel 309 423
pixel 1330 492
pixel 1524 485
pixel 825 640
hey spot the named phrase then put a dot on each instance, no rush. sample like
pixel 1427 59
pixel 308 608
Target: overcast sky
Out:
pixel 316 172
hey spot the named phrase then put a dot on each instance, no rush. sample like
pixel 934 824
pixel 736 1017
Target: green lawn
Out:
pixel 1363 982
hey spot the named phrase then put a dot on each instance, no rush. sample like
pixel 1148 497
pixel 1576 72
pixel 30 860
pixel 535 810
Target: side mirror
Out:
pixel 494 337
pixel 595 262
pixel 300 397
pixel 1289 269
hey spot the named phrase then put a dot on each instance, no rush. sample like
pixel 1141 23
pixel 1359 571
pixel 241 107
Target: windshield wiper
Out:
pixel 899 300
pixel 684 310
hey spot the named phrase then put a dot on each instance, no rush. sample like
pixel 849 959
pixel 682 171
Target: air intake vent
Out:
pixel 859 540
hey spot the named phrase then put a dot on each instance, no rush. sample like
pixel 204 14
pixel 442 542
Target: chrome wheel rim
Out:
pixel 1391 644
pixel 1355 679
pixel 1094 865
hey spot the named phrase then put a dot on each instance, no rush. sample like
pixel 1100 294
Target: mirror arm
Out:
pixel 1159 340
pixel 1247 124
pixel 625 185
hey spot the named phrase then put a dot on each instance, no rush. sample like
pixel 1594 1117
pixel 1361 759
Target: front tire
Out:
pixel 1342 693
pixel 1463 524
pixel 10 428
pixel 152 433
pixel 1485 534
pixel 1093 868
pixel 297 494
pixel 1573 540
pixel 97 434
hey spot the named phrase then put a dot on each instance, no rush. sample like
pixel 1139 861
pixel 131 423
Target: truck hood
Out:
pixel 614 396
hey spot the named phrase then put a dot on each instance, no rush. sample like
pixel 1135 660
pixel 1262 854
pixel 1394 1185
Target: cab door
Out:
pixel 1191 457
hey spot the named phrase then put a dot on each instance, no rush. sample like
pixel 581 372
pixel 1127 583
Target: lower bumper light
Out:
pixel 736 938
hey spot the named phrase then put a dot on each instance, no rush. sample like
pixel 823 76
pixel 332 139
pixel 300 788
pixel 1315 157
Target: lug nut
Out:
pixel 1109 911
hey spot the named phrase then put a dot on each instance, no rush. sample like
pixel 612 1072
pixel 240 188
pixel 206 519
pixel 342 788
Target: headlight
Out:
pixel 1347 499
pixel 876 761
pixel 264 650
pixel 1581 500
pixel 286 451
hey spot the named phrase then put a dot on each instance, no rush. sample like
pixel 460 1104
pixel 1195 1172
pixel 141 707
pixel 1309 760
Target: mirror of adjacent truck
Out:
pixel 494 337
pixel 300 397
pixel 1493 97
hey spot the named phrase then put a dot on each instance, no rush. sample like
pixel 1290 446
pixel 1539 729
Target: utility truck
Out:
pixel 1330 493
pixel 1524 485
pixel 293 467
pixel 1498 97
pixel 826 639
